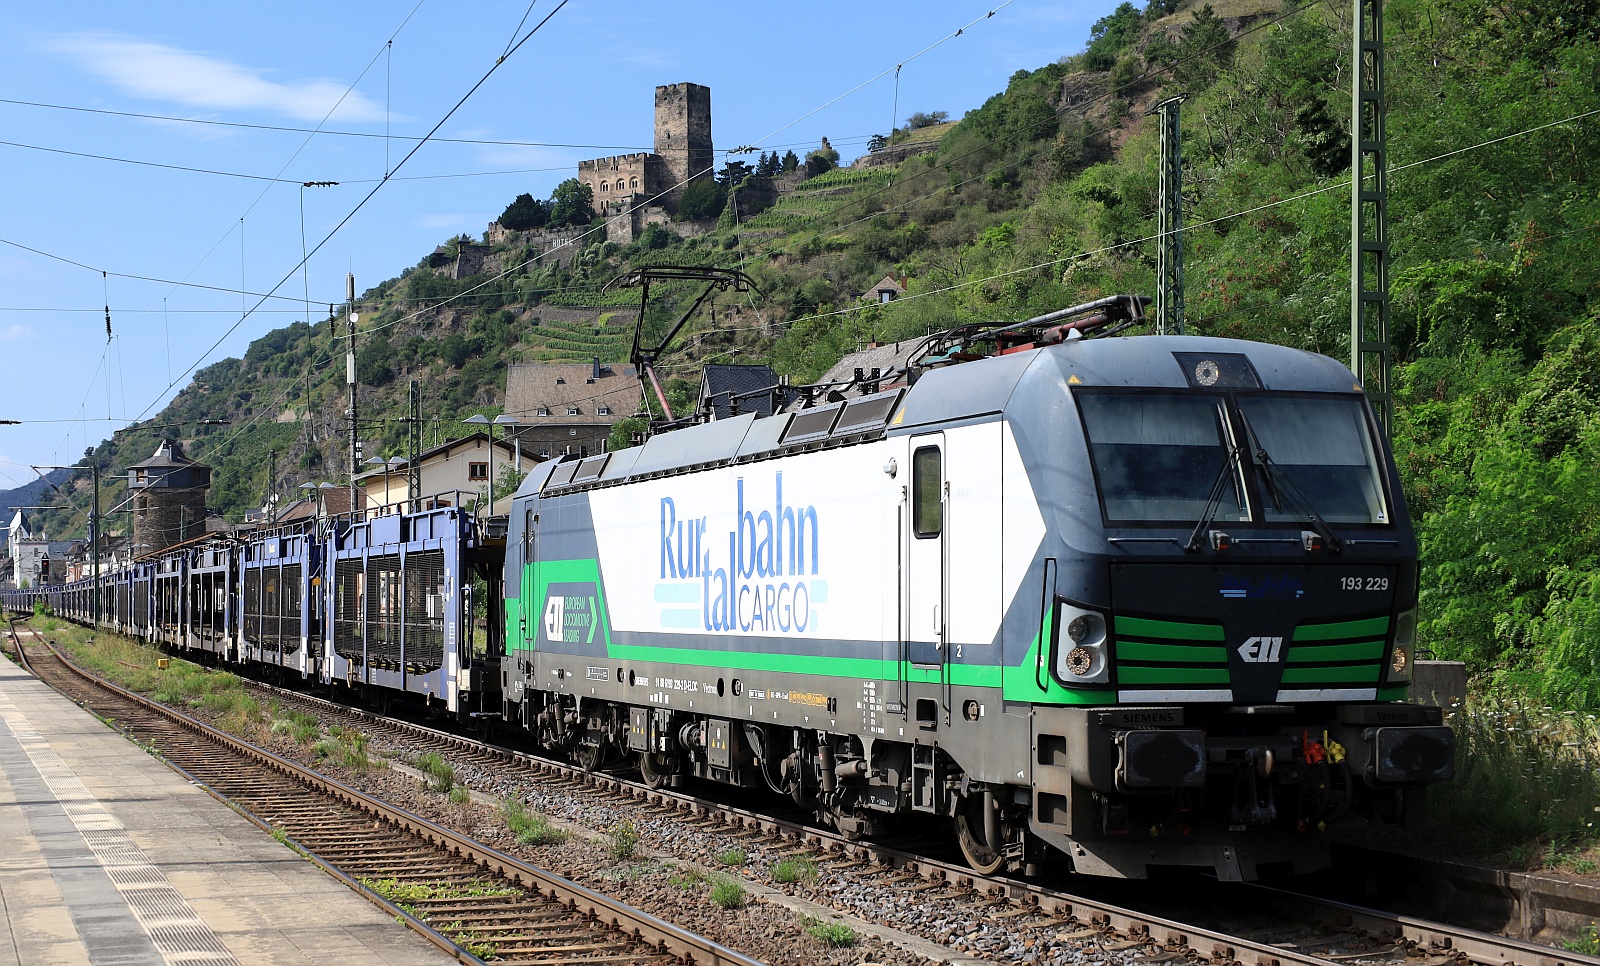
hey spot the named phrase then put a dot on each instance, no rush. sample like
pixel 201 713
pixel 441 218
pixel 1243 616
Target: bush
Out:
pixel 524 213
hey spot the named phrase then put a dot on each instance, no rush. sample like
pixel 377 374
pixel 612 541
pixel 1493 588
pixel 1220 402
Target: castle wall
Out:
pixel 615 180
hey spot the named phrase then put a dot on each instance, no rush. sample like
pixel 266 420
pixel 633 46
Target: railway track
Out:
pixel 473 901
pixel 1256 925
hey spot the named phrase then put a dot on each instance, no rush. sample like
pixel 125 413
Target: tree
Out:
pixel 877 143
pixel 790 161
pixel 572 203
pixel 768 165
pixel 734 172
pixel 1204 49
pixel 701 198
pixel 926 119
pixel 624 430
pixel 373 362
pixel 524 213
pixel 1111 35
pixel 456 350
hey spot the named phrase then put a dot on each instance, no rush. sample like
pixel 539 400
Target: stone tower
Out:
pixel 683 134
pixel 169 499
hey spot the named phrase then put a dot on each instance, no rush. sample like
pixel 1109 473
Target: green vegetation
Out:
pixel 302 728
pixel 795 868
pixel 689 879
pixel 728 893
pixel 1587 941
pixel 441 774
pixel 530 828
pixel 734 856
pixel 624 840
pixel 347 747
pixel 1527 784
pixel 403 892
pixel 835 934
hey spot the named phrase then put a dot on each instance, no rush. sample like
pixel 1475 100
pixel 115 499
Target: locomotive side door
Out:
pixel 531 609
pixel 926 617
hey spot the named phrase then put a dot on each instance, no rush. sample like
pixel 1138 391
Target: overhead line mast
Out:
pixel 1370 353
pixel 1169 251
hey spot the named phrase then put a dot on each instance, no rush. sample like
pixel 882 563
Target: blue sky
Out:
pixel 579 88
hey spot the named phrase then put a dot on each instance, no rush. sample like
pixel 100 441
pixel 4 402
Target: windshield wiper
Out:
pixel 1278 486
pixel 1213 499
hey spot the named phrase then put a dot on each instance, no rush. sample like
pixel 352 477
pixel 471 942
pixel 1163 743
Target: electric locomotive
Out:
pixel 1117 603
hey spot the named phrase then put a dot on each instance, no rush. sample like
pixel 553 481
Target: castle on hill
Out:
pixel 631 182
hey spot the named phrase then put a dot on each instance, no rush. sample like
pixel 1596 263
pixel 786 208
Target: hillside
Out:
pixel 1045 196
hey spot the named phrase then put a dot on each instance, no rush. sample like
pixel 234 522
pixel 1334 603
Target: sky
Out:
pixel 114 175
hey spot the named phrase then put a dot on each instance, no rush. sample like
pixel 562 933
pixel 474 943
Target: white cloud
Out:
pixel 15 332
pixel 158 72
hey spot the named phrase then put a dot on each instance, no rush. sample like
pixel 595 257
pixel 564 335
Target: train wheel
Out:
pixel 591 754
pixel 985 857
pixel 655 776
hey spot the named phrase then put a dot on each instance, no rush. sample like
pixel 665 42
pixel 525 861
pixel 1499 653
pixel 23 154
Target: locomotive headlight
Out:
pixel 1405 639
pixel 1082 627
pixel 1081 657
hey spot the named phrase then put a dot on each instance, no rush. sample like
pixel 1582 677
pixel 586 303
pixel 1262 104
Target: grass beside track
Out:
pixel 184 684
pixel 1527 786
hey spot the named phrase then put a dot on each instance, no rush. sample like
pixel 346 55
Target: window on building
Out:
pixel 605 186
pixel 572 410
pixel 633 183
pixel 141 476
pixel 544 454
pixel 605 410
pixel 544 410
pixel 572 432
pixel 619 184
pixel 477 471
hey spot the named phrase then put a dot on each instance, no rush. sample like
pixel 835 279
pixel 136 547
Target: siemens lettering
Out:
pixel 760 586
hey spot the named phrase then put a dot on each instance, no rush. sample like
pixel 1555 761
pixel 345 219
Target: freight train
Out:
pixel 1106 604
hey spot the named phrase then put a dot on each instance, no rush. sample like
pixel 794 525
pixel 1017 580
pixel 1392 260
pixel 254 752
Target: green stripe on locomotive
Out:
pixel 1147 652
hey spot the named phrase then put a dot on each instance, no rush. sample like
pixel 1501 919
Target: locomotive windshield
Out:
pixel 1157 455
pixel 1322 448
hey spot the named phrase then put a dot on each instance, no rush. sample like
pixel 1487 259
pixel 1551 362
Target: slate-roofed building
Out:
pixel 567 407
pixel 727 390
pixel 886 358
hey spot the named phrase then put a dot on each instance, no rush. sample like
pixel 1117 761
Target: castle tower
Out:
pixel 683 134
pixel 169 499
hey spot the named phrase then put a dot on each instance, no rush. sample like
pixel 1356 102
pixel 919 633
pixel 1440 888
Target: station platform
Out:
pixel 109 856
